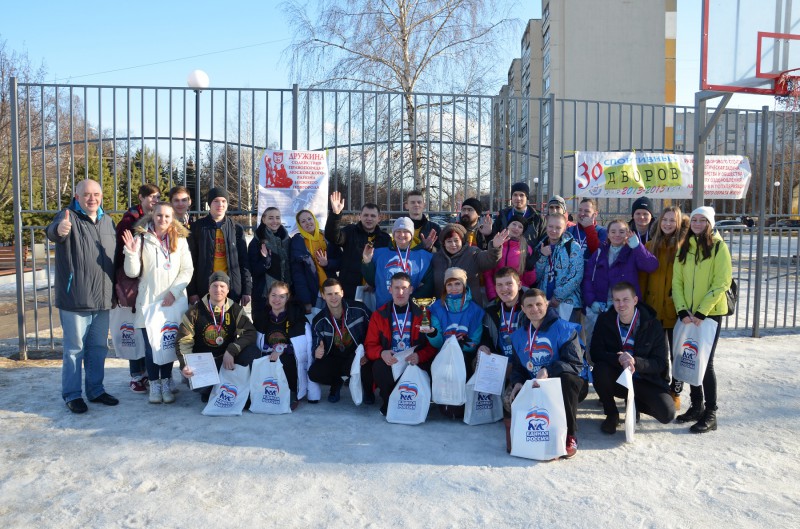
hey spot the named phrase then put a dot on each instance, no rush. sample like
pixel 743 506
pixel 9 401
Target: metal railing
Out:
pixel 380 145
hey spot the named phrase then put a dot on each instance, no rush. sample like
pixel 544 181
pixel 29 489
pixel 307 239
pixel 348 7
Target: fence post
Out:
pixel 762 205
pixel 295 116
pixel 20 245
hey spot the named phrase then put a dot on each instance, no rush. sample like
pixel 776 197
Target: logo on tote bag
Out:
pixel 169 332
pixel 689 356
pixel 127 332
pixel 227 396
pixel 408 396
pixel 538 425
pixel 271 389
pixel 484 402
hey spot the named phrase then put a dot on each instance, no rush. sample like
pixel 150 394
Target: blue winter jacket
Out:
pixel 385 263
pixel 557 348
pixel 565 267
pixel 462 318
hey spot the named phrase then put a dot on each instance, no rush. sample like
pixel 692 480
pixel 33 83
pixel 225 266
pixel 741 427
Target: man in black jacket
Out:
pixel 217 245
pixel 630 336
pixel 338 330
pixel 352 239
pixel 425 231
pixel 535 228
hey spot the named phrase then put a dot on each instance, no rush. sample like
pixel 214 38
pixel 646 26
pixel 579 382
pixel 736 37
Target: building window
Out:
pixel 546 85
pixel 546 38
pixel 545 13
pixel 546 60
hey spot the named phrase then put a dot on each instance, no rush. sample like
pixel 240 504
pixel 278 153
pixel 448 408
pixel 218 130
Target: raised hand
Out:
pixel 486 227
pixel 322 258
pixel 65 226
pixel 428 241
pixel 366 256
pixel 546 250
pixel 337 202
pixel 131 242
pixel 500 239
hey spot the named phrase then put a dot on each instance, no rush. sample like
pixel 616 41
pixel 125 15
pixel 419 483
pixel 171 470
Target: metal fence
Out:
pixel 380 145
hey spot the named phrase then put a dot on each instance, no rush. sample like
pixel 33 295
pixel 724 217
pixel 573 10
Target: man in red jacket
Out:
pixel 394 328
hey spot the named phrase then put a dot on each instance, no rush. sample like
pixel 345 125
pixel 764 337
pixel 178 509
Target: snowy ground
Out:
pixel 140 465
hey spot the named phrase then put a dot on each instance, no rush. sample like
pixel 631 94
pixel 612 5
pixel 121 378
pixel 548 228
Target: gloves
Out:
pixel 633 241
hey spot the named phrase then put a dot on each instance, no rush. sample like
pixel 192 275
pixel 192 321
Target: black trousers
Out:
pixel 572 387
pixel 651 399
pixel 330 369
pixel 709 387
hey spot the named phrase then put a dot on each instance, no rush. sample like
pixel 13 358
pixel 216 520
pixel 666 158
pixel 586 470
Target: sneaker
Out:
pixel 335 395
pixel 155 392
pixel 369 399
pixel 572 447
pixel 166 391
pixel 139 384
pixel 77 406
pixel 676 398
pixel 173 387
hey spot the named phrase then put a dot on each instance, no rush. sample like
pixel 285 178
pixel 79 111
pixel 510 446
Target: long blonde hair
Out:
pixel 670 241
pixel 174 230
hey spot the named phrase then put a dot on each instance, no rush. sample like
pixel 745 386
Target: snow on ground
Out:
pixel 335 465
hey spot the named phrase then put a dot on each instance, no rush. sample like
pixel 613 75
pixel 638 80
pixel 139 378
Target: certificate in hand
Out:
pixel 204 368
pixel 490 373
pixel 400 366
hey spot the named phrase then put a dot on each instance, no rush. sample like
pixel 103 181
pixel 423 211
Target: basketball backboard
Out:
pixel 748 44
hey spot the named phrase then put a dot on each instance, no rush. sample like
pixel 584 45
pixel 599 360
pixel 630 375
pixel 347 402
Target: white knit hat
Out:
pixel 707 212
pixel 403 223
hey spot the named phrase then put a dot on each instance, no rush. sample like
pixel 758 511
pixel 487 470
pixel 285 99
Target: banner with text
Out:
pixel 292 181
pixel 657 175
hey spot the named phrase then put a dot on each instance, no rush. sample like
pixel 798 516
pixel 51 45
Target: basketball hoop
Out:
pixel 787 90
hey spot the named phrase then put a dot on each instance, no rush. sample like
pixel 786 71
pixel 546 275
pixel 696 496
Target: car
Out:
pixel 788 223
pixel 730 225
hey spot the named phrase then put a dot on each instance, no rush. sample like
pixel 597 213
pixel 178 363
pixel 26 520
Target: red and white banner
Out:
pixel 292 181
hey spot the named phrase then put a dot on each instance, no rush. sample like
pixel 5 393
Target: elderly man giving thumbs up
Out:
pixel 84 237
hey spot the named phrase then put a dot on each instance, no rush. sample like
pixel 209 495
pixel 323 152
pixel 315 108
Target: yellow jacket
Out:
pixel 699 287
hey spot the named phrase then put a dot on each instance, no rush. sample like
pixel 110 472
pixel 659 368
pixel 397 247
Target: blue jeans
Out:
pixel 154 371
pixel 85 344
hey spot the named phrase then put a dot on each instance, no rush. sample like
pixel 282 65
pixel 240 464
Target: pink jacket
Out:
pixel 509 257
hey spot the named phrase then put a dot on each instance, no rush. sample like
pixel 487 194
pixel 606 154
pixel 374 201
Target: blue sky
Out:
pixel 239 44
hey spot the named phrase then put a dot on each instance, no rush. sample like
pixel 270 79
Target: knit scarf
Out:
pixel 315 242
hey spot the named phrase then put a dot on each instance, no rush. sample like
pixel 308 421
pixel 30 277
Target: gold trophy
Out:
pixel 424 303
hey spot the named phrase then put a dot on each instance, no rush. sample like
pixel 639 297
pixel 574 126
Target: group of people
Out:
pixel 572 300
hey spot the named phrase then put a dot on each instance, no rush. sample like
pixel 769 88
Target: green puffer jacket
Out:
pixel 699 287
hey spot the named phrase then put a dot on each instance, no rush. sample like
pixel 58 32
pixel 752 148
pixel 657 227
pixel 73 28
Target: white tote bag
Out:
pixel 411 398
pixel 481 408
pixel 356 391
pixel 449 374
pixel 691 348
pixel 538 421
pixel 162 325
pixel 269 388
pixel 128 341
pixel 230 395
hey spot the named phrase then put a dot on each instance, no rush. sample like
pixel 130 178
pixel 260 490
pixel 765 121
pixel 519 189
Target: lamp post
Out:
pixel 197 80
pixel 536 193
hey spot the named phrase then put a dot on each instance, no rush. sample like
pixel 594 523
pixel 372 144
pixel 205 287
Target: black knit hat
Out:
pixel 521 186
pixel 474 203
pixel 217 192
pixel 642 203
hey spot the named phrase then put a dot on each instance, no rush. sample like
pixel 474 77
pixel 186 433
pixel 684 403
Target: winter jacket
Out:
pixel 472 260
pixel 657 286
pixel 356 320
pixel 495 329
pixel 305 278
pixel 197 334
pixel 533 232
pixel 84 260
pixel 461 317
pixel 352 239
pixel 385 263
pixel 590 238
pixel 649 347
pixel 510 256
pixel 699 286
pixel 599 277
pixel 557 348
pixel 201 244
pixel 266 270
pixel 379 333
pixel 563 268
pixel 155 282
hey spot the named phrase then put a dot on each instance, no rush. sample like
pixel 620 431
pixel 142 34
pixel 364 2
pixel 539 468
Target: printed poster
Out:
pixel 292 181
pixel 658 175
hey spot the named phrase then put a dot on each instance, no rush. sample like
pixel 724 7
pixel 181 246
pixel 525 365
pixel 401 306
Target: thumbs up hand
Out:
pixel 65 226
